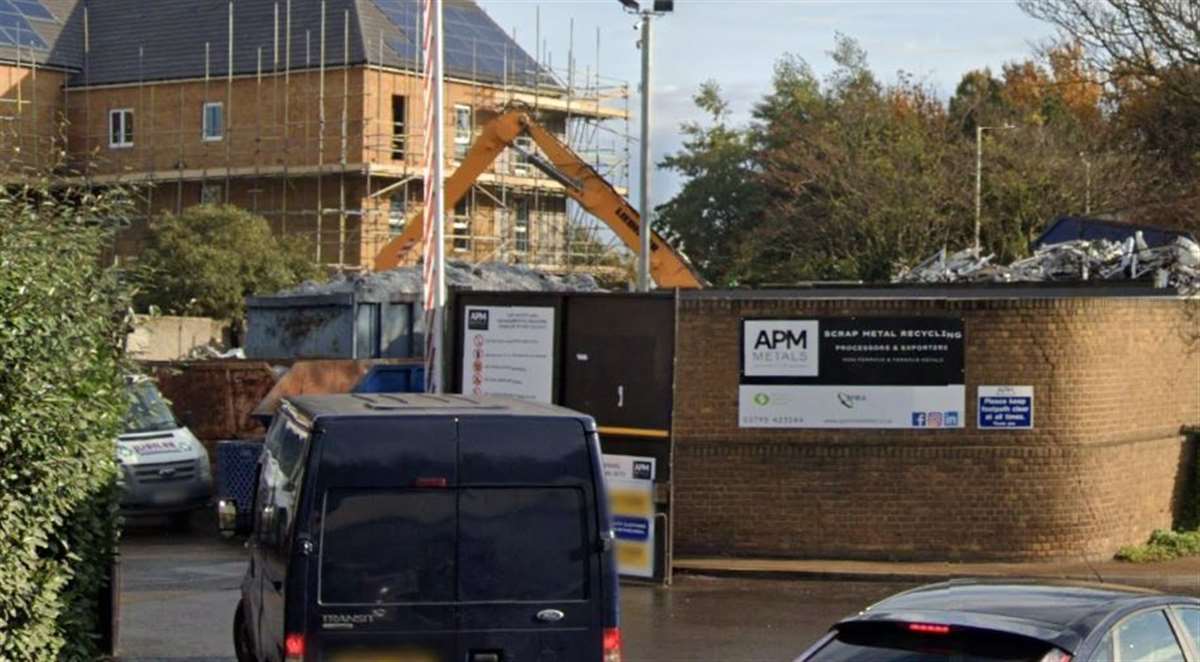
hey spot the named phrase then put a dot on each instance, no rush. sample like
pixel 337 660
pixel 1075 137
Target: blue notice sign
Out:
pixel 1005 407
pixel 631 528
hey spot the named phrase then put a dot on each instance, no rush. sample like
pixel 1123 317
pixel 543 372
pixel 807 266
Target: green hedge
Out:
pixel 61 404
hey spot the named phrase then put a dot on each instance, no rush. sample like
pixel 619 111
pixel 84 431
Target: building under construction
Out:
pixel 307 112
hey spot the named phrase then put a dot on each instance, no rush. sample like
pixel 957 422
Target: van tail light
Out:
pixel 928 628
pixel 612 644
pixel 293 648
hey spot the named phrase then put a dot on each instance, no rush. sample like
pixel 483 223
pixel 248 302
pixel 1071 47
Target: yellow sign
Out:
pixel 630 482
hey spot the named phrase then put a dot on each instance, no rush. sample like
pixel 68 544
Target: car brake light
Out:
pixel 928 628
pixel 612 644
pixel 293 647
pixel 431 482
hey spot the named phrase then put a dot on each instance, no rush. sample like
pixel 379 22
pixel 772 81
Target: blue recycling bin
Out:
pixel 237 470
pixel 392 379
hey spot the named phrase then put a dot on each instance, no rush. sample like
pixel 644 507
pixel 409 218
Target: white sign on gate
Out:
pixel 508 351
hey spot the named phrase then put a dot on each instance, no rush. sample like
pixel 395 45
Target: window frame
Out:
pixel 204 126
pixel 396 224
pixel 399 146
pixel 126 128
pixel 521 226
pixel 461 243
pixel 462 140
pixel 521 164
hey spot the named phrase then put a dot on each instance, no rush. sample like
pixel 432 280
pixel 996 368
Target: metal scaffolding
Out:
pixel 317 150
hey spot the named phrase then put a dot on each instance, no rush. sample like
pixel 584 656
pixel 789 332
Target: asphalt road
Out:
pixel 179 592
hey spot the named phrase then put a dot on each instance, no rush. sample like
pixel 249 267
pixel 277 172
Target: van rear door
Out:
pixel 529 566
pixel 383 582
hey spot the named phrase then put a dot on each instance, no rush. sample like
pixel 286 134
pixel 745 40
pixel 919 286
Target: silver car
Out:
pixel 164 469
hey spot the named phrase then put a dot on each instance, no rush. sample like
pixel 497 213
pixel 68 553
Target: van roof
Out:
pixel 421 404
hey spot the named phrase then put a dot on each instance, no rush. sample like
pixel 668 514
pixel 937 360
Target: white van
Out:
pixel 164 468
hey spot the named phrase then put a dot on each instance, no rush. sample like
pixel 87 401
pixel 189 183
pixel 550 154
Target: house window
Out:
pixel 120 128
pixel 521 162
pixel 212 194
pixel 397 215
pixel 521 227
pixel 462 226
pixel 214 121
pixel 399 126
pixel 462 131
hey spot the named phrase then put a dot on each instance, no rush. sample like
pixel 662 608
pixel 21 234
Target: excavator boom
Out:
pixel 582 183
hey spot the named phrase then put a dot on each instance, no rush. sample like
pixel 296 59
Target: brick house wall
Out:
pixel 31 118
pixel 1115 380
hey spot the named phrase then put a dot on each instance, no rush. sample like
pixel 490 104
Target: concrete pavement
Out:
pixel 179 592
pixel 1176 576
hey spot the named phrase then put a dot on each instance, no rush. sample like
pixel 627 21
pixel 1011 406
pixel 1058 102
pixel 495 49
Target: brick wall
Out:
pixel 1115 379
pixel 31 118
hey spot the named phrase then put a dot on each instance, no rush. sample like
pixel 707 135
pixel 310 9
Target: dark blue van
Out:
pixel 422 528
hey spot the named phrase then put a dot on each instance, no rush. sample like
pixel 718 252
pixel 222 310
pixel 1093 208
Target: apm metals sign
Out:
pixel 852 372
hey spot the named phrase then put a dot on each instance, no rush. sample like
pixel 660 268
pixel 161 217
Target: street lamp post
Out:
pixel 645 284
pixel 979 178
pixel 1087 187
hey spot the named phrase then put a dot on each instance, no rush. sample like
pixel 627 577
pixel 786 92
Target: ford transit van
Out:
pixel 423 528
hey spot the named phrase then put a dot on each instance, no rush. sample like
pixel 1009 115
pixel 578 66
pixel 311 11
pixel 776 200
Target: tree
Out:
pixel 719 204
pixel 977 101
pixel 1147 51
pixel 206 260
pixel 845 178
pixel 1140 39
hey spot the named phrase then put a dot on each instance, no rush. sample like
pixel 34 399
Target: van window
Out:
pixel 282 476
pixel 522 544
pixel 387 546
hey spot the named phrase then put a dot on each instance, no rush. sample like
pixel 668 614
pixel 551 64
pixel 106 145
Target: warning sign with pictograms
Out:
pixel 509 351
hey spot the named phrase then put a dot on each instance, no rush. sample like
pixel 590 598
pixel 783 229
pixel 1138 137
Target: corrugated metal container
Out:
pixel 329 326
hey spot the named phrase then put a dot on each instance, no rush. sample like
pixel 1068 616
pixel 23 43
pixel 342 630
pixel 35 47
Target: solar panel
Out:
pixel 476 48
pixel 33 9
pixel 15 26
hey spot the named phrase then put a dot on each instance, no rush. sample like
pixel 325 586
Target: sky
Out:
pixel 736 43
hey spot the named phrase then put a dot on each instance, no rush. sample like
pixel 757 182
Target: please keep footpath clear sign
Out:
pixel 1005 407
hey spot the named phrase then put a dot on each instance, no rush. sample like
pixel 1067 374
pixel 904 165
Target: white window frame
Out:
pixel 520 166
pixel 460 237
pixel 396 223
pixel 462 141
pixel 204 127
pixel 126 132
pixel 521 226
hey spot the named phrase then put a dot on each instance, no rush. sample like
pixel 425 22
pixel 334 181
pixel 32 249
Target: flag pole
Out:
pixel 435 202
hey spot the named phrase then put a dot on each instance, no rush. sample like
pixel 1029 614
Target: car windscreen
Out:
pixel 148 411
pixel 896 643
pixel 396 546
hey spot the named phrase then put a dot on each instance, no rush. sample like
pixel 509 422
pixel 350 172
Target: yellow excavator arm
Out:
pixel 583 184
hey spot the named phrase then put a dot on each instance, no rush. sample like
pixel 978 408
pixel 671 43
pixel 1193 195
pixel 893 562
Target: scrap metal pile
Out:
pixel 487 276
pixel 1174 265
